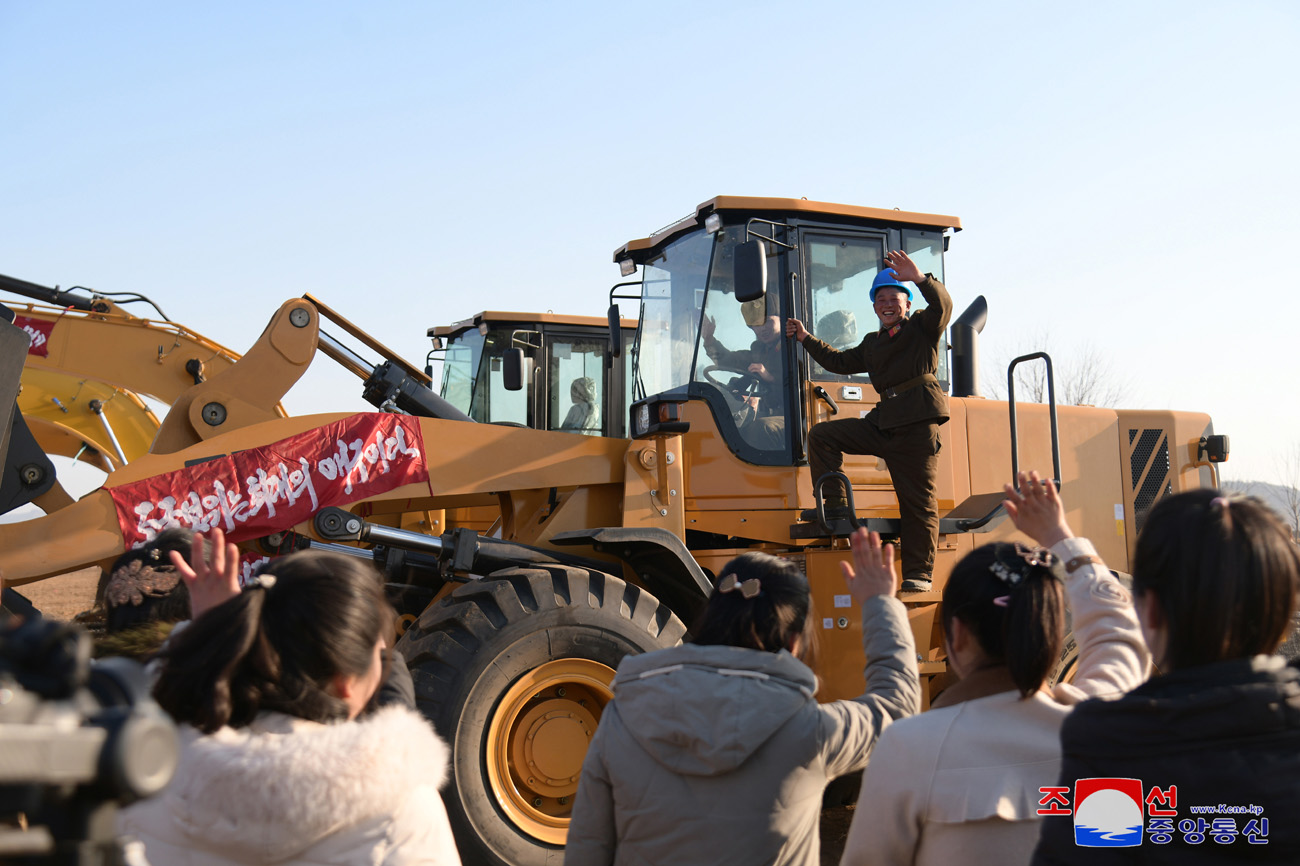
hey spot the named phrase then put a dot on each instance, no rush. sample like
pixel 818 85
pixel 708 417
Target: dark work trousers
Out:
pixel 912 455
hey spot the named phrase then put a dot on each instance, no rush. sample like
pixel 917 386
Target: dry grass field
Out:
pixel 65 596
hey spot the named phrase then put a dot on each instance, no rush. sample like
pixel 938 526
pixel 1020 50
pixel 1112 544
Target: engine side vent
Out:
pixel 1150 471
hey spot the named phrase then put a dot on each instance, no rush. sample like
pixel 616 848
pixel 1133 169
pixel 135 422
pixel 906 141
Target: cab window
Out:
pixel 839 271
pixel 491 402
pixel 926 249
pixel 577 398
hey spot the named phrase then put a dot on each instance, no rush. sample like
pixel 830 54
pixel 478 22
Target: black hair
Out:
pixel 1224 570
pixel 771 619
pixel 134 566
pixel 1011 599
pixel 279 647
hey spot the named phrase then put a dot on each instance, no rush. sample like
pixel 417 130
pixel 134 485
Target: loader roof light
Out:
pixel 626 267
pixel 483 328
pixel 713 222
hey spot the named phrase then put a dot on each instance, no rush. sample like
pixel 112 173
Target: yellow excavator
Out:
pixel 604 545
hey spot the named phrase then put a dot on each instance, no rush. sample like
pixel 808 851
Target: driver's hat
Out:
pixel 755 311
pixel 888 279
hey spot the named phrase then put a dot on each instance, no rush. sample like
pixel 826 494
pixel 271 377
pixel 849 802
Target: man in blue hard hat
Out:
pixel 903 428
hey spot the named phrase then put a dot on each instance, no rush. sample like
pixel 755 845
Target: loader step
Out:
pixel 978 513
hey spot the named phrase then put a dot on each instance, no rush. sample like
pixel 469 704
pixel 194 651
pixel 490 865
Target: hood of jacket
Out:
pixel 270 791
pixel 1224 702
pixel 704 710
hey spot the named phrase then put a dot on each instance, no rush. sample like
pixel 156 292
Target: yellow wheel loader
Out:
pixel 606 545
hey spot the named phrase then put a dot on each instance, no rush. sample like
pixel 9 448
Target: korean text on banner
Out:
pixel 264 490
pixel 39 330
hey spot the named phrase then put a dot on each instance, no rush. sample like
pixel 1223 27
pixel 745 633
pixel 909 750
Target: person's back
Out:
pixel 276 766
pixel 961 783
pixel 288 791
pixel 717 753
pixel 1215 580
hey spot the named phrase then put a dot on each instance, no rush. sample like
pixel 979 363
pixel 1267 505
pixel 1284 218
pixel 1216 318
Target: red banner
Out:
pixel 39 330
pixel 274 487
pixel 249 563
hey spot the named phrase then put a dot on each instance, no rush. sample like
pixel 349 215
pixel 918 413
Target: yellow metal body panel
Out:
pixel 56 406
pixel 726 495
pixel 116 348
pixel 1090 478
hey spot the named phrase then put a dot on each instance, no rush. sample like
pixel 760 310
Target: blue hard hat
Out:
pixel 887 277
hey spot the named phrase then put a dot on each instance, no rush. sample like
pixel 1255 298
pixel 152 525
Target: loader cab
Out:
pixel 699 340
pixel 567 377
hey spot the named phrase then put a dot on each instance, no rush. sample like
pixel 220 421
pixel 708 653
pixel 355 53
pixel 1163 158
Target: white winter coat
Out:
pixel 289 791
pixel 960 783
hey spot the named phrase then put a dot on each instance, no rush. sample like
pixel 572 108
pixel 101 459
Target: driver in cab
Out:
pixel 761 417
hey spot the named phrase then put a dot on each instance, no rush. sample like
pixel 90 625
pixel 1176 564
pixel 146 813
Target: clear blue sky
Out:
pixel 1126 171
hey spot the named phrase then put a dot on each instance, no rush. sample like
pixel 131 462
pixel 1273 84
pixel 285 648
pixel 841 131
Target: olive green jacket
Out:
pixel 891 362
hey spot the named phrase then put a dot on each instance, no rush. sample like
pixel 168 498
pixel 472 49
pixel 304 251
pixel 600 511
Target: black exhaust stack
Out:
pixel 964 334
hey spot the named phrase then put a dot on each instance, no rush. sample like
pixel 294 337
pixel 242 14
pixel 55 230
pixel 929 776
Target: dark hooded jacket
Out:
pixel 1224 734
pixel 720 755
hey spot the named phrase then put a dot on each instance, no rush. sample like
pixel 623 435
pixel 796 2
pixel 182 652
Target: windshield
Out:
pixel 672 294
pixel 459 366
pixel 689 298
pixel 473 379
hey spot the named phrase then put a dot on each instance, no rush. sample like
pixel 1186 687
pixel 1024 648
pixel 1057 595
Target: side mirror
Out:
pixel 615 331
pixel 749 270
pixel 1213 448
pixel 512 371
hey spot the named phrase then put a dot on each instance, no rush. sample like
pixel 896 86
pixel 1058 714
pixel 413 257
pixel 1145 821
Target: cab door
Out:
pixel 837 272
pixel 579 384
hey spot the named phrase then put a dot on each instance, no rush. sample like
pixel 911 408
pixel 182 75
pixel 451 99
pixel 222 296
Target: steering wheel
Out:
pixel 745 381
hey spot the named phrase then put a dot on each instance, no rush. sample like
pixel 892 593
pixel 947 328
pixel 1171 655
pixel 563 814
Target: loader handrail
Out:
pixel 1051 409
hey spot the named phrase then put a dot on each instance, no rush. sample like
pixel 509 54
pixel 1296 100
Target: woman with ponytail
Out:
pixel 275 766
pixel 960 783
pixel 1215 578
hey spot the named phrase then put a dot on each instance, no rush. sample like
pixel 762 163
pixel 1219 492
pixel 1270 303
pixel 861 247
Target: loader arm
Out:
pixel 458 464
pixel 141 355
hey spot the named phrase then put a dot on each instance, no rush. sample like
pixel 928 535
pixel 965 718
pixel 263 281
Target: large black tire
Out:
pixel 514 671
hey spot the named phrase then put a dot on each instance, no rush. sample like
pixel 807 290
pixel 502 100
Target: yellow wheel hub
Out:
pixel 538 738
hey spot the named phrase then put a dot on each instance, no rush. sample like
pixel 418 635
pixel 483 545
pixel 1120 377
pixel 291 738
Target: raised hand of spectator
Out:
pixel 212 573
pixel 1036 509
pixel 872 571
